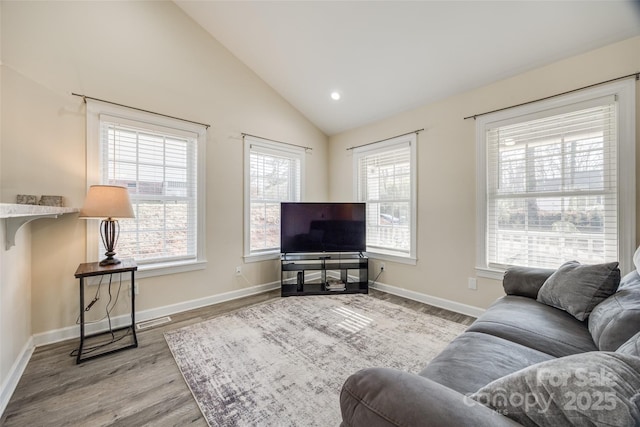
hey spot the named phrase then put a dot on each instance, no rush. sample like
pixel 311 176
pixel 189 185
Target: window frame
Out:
pixel 95 109
pixel 280 149
pixel 624 93
pixel 380 147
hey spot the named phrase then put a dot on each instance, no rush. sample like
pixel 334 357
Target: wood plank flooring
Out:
pixel 136 387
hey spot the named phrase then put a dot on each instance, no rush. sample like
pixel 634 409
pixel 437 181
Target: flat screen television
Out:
pixel 322 227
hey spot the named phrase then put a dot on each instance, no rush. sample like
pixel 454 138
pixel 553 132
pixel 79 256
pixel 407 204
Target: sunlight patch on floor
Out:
pixel 352 322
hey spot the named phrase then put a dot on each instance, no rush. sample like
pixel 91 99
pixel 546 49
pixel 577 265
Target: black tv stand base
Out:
pixel 324 274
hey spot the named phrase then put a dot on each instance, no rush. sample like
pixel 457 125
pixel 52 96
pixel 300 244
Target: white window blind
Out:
pixel 552 187
pixel 273 175
pixel 159 167
pixel 385 182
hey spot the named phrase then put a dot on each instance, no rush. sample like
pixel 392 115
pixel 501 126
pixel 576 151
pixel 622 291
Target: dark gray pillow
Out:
pixel 577 288
pixel 593 388
pixel 525 281
pixel 631 347
pixel 616 319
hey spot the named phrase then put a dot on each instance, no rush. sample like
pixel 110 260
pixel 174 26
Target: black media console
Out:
pixel 336 273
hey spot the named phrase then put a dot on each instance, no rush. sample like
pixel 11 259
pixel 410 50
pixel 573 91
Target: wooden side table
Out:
pixel 95 269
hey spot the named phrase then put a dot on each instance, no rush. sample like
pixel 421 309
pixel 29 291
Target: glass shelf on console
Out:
pixel 315 273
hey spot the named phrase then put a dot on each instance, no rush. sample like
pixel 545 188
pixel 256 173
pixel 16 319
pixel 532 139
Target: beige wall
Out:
pixel 15 300
pixel 15 291
pixel 152 56
pixel 446 167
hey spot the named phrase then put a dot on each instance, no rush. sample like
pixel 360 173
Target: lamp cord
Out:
pixel 107 316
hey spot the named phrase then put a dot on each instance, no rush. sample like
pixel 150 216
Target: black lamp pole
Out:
pixel 109 231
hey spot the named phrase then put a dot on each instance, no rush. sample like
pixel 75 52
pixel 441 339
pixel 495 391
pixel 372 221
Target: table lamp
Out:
pixel 108 202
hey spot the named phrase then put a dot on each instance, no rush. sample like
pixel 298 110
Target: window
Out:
pixel 273 174
pixel 159 160
pixel 558 181
pixel 385 179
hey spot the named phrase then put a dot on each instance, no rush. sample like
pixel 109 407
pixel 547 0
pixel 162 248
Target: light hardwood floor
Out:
pixel 135 387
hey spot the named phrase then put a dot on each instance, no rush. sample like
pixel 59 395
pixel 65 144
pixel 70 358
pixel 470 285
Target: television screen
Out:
pixel 322 227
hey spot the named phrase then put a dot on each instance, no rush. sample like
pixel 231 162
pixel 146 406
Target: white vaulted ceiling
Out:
pixel 385 57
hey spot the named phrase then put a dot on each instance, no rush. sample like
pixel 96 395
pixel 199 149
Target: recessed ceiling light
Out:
pixel 335 96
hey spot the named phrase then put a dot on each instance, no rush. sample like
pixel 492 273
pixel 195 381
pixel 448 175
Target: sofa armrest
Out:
pixel 525 281
pixel 384 397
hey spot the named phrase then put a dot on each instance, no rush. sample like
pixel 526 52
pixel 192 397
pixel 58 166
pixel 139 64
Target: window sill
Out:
pixel 490 273
pixel 262 257
pixel 152 270
pixel 384 256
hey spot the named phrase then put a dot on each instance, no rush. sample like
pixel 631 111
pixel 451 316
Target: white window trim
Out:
pixel 625 93
pixel 276 147
pixel 97 108
pixel 358 152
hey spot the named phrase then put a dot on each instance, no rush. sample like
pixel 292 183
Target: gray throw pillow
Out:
pixel 631 347
pixel 577 288
pixel 593 388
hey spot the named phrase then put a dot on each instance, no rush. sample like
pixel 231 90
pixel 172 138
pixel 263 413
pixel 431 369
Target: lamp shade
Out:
pixel 107 201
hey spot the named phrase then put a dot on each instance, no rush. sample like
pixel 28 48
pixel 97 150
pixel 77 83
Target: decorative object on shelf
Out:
pixel 26 199
pixel 108 202
pixel 51 201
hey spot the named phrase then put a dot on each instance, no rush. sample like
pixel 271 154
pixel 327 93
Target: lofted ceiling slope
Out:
pixel 385 57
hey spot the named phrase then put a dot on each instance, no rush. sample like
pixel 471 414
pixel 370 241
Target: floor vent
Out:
pixel 153 322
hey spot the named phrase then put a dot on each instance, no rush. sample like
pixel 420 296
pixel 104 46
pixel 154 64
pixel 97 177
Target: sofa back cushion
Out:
pixel 594 388
pixel 630 281
pixel 617 318
pixel 578 288
pixel 525 321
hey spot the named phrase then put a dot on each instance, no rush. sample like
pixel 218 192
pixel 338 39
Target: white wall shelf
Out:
pixel 15 216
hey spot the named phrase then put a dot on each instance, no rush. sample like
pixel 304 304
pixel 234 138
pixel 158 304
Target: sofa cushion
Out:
pixel 616 319
pixel 529 323
pixel 578 288
pixel 384 397
pixel 595 388
pixel 631 347
pixel 474 359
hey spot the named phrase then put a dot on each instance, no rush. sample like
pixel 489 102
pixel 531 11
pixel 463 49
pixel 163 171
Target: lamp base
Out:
pixel 110 261
pixel 109 231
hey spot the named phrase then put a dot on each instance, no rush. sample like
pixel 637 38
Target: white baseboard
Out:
pixel 469 310
pixel 71 332
pixel 15 373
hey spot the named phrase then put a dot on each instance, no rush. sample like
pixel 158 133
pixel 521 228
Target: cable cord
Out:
pixel 107 316
pixel 373 282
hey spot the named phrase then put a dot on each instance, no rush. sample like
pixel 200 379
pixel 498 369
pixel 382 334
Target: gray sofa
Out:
pixel 560 348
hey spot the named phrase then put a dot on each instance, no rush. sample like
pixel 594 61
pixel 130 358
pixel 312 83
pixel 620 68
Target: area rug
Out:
pixel 283 362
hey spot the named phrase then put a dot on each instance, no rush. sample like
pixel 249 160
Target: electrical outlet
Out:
pixel 382 266
pixel 473 283
pixel 238 270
